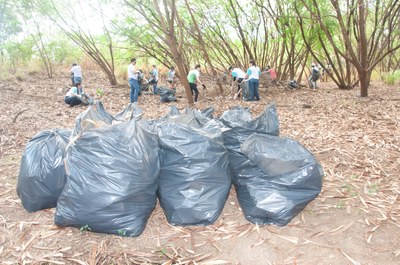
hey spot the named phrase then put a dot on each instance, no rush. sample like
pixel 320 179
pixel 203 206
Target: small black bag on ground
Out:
pixel 112 179
pixel 166 94
pixel 278 181
pixel 194 182
pixel 42 174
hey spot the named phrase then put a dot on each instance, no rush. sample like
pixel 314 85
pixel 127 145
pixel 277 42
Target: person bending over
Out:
pixel 74 95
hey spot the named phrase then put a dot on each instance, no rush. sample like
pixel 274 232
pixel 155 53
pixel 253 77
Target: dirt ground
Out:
pixel 355 219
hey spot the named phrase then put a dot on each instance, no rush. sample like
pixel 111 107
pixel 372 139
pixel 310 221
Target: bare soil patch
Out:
pixel 355 220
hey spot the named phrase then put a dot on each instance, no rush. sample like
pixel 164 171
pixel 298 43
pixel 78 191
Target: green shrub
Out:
pixel 392 78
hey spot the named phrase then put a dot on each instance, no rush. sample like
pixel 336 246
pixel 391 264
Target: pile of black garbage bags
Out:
pixel 107 172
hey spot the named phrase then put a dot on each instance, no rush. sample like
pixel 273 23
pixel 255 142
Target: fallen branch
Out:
pixel 17 115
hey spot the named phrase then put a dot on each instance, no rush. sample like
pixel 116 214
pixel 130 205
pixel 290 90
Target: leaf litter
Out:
pixel 358 211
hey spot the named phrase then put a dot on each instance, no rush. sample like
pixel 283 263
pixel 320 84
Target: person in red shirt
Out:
pixel 272 74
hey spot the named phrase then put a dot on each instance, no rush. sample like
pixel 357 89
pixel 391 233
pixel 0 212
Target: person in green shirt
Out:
pixel 194 79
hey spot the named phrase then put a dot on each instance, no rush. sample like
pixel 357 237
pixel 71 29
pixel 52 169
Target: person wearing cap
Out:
pixel 154 78
pixel 238 76
pixel 194 78
pixel 76 74
pixel 133 76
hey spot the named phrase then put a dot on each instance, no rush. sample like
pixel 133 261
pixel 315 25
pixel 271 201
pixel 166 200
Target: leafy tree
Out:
pixel 366 28
pixel 9 23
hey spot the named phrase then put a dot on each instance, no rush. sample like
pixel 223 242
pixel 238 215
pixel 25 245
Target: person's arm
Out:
pixel 248 73
pixel 198 79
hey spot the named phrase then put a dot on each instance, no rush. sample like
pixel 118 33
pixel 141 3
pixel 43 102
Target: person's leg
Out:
pixel 132 90
pixel 73 101
pixel 136 90
pixel 196 93
pixel 67 100
pixel 155 91
pixel 257 84
pixel 77 80
pixel 239 81
pixel 191 85
pixel 251 88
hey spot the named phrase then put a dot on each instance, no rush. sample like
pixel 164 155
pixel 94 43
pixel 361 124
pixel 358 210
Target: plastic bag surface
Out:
pixel 166 94
pixel 95 116
pixel 194 182
pixel 112 179
pixel 131 112
pixel 279 179
pixel 42 174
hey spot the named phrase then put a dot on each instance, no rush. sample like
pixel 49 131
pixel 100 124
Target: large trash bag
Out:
pixel 191 117
pixel 93 117
pixel 194 181
pixel 42 174
pixel 131 112
pixel 112 179
pixel 208 112
pixel 245 90
pixel 241 125
pixel 166 94
pixel 279 179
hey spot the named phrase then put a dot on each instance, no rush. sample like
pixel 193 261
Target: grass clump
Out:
pixel 392 78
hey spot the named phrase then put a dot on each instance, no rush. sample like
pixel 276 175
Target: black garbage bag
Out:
pixel 245 90
pixel 191 117
pixel 112 179
pixel 208 112
pixel 166 94
pixel 131 112
pixel 42 174
pixel 240 126
pixel 240 118
pixel 279 179
pixel 194 182
pixel 93 117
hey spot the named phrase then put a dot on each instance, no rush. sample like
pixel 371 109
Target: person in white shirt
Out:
pixel 238 76
pixel 74 95
pixel 253 74
pixel 133 75
pixel 76 74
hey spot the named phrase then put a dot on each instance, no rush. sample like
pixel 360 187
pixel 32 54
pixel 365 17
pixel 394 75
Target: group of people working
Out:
pixel 135 77
pixel 74 94
pixel 252 74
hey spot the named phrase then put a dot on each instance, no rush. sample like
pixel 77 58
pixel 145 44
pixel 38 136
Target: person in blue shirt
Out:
pixel 154 78
pixel 253 74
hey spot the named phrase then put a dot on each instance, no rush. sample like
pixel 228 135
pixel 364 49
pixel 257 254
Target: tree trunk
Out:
pixel 364 83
